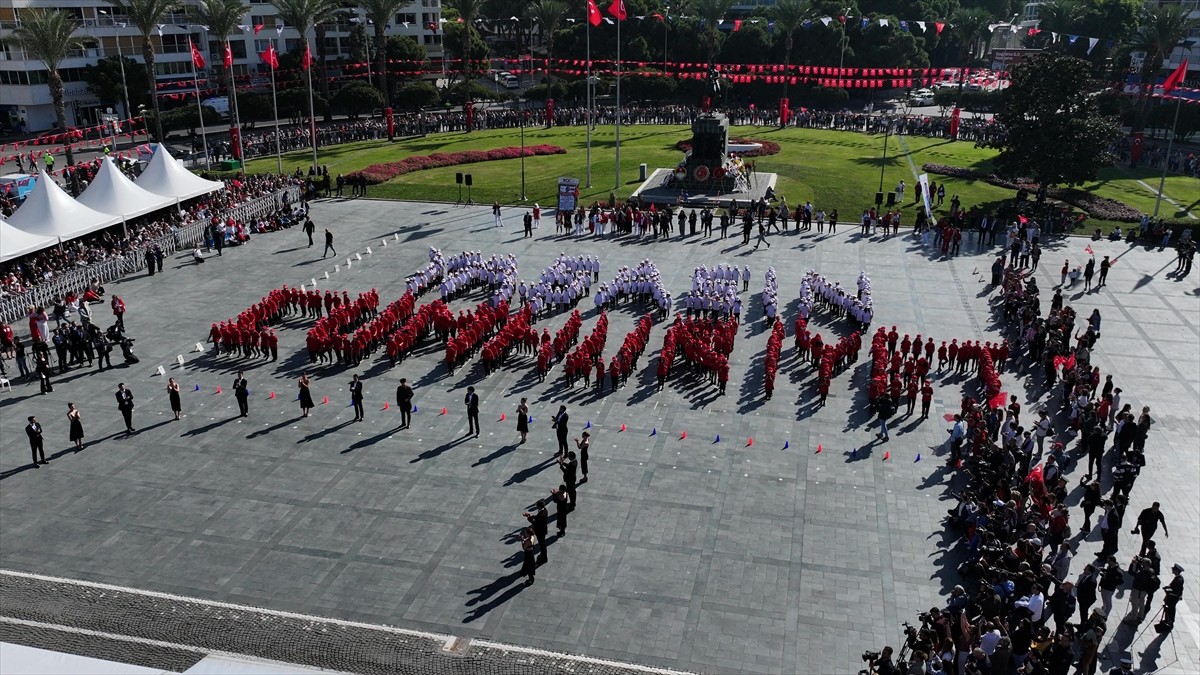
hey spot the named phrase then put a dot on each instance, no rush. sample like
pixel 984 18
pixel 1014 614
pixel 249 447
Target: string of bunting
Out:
pixel 103 130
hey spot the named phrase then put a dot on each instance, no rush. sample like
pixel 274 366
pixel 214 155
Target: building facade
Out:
pixel 25 104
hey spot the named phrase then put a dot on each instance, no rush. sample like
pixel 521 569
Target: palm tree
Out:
pixel 381 13
pixel 46 35
pixel 468 10
pixel 548 14
pixel 303 15
pixel 711 12
pixel 1163 28
pixel 1060 16
pixel 147 15
pixel 221 17
pixel 971 25
pixel 788 15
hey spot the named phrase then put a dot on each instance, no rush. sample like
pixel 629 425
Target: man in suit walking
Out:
pixel 241 391
pixel 328 243
pixel 561 428
pixel 34 431
pixel 356 398
pixel 404 399
pixel 125 405
pixel 472 401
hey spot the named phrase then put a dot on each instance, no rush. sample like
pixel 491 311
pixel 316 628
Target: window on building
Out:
pixel 261 46
pixel 432 39
pixel 406 17
pixel 173 67
pixel 265 20
pixel 173 43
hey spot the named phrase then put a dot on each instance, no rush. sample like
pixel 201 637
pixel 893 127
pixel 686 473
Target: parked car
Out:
pixel 922 97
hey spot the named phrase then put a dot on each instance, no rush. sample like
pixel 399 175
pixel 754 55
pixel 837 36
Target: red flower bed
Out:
pixel 1098 207
pixel 768 147
pixel 381 173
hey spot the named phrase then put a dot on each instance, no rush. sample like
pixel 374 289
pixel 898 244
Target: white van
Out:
pixel 510 81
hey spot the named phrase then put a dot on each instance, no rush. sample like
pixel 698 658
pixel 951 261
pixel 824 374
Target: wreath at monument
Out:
pixel 701 173
pixel 719 173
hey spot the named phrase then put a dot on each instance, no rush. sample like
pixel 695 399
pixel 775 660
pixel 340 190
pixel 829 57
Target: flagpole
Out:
pixel 275 106
pixel 312 117
pixel 199 109
pixel 618 172
pixel 590 112
pixel 1162 181
pixel 234 116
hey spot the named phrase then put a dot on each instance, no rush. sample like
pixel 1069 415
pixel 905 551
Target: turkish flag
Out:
pixel 228 55
pixel 258 29
pixel 1175 78
pixel 197 57
pixel 307 59
pixel 594 17
pixel 270 57
pixel 617 10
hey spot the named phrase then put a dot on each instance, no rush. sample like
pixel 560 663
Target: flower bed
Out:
pixel 1098 207
pixel 381 173
pixel 768 147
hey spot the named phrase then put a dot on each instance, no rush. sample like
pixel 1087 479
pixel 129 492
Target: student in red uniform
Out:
pixel 926 399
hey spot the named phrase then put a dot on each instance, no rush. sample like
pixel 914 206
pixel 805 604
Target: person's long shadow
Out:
pixel 489 593
pixel 525 474
pixel 277 427
pixel 366 442
pixel 434 452
pixel 500 452
pixel 317 435
pixel 207 427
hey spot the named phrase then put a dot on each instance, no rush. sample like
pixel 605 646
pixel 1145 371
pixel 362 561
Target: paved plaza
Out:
pixel 693 554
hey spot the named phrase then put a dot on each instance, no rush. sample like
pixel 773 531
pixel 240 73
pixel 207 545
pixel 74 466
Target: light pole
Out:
pixel 121 60
pixel 666 15
pixel 521 101
pixel 887 130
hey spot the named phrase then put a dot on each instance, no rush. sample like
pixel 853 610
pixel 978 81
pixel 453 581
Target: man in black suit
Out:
pixel 561 427
pixel 125 405
pixel 540 521
pixel 34 431
pixel 472 401
pixel 356 398
pixel 570 469
pixel 241 391
pixel 404 399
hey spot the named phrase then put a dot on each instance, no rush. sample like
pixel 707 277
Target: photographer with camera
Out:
pixel 880 663
pixel 1173 594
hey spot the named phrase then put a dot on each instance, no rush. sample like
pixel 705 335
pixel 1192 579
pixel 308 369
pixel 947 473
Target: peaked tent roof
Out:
pixel 51 212
pixel 165 176
pixel 112 192
pixel 15 243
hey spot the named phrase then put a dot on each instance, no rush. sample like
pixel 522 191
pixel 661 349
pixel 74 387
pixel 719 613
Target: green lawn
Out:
pixel 833 169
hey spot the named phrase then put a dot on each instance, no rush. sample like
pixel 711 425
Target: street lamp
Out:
pixel 121 60
pixel 887 130
pixel 521 101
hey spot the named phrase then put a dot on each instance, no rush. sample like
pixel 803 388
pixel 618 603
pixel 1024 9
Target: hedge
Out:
pixel 381 173
pixel 768 147
pixel 1102 208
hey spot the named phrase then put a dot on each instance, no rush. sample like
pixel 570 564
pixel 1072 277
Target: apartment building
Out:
pixel 104 31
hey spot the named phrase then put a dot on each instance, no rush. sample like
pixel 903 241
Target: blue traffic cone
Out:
pixel 787 444
pixel 854 452
pixel 654 431
pixel 588 425
pixel 197 388
pixel 918 458
pixel 414 408
pixel 718 439
pixel 531 419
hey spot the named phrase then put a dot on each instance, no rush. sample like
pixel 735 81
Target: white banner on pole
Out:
pixel 923 179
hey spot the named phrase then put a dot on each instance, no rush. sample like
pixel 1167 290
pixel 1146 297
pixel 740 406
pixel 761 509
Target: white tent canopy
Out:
pixel 165 176
pixel 50 212
pixel 112 192
pixel 15 243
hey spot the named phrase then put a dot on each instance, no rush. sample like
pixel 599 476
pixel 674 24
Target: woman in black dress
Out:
pixel 173 394
pixel 76 421
pixel 583 444
pixel 528 564
pixel 523 419
pixel 306 402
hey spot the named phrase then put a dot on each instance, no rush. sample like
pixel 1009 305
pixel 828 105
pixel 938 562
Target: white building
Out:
pixel 25 96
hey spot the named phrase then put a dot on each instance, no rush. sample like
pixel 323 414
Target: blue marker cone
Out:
pixel 197 388
pixel 531 419
pixel 414 408
pixel 854 452
pixel 918 458
pixel 654 431
pixel 588 425
pixel 717 439
pixel 787 444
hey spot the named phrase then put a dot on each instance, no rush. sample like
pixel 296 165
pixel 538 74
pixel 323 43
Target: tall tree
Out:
pixel 46 35
pixel 222 18
pixel 303 15
pixel 548 14
pixel 147 15
pixel 970 24
pixel 788 15
pixel 381 13
pixel 1163 29
pixel 468 11
pixel 711 12
pixel 1055 131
